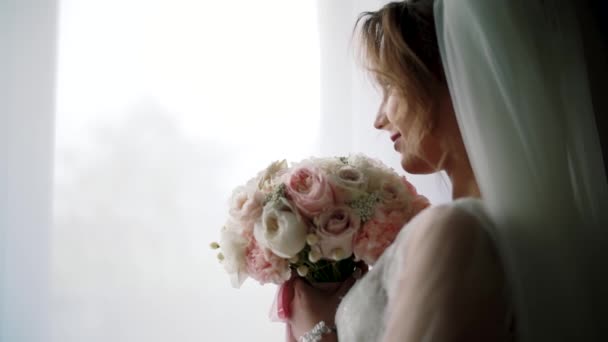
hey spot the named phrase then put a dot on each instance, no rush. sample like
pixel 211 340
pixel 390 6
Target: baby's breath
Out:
pixel 277 193
pixel 365 205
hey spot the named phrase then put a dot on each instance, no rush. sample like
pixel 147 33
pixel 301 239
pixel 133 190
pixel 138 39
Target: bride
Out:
pixel 477 88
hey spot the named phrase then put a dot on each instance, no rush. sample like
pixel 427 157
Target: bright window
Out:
pixel 162 108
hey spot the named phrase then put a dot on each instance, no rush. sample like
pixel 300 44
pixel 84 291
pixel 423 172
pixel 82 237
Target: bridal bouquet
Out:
pixel 317 218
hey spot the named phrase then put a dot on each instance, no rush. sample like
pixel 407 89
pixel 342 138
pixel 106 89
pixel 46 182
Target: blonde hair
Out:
pixel 399 49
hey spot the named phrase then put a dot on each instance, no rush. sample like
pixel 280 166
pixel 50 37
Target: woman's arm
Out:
pixel 451 284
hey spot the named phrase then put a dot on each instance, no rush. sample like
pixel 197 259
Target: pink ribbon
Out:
pixel 280 311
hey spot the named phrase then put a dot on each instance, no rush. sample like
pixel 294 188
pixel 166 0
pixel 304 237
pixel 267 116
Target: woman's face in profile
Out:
pixel 394 118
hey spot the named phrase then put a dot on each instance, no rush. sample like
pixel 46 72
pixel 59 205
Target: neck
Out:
pixel 463 180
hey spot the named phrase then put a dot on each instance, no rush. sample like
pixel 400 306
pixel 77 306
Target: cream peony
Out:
pixel 281 229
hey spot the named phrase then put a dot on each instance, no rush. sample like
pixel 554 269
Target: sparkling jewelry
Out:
pixel 317 332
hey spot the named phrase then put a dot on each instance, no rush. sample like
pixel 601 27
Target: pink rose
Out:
pixel 335 229
pixel 348 184
pixel 309 189
pixel 266 267
pixel 400 203
pixel 378 233
pixel 418 202
pixel 410 187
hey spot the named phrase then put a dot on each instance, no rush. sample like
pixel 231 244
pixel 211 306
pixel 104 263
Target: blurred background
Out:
pixel 138 120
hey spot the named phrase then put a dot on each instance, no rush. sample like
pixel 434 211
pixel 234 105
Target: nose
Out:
pixel 381 119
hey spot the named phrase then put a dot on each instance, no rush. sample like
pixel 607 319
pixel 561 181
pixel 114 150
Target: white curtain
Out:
pixel 28 44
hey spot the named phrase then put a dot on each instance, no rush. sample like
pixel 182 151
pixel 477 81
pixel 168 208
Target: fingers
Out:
pixel 316 302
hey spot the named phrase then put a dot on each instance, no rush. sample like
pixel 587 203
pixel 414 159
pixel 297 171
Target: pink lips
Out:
pixel 394 138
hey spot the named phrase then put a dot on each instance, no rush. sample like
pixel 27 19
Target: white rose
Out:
pixel 364 162
pixel 329 165
pixel 394 194
pixel 281 229
pixel 374 169
pixel 234 249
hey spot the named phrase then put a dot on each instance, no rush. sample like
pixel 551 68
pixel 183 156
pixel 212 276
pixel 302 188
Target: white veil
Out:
pixel 518 77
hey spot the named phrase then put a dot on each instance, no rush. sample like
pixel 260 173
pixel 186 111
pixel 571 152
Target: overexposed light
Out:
pixel 163 107
pixel 219 67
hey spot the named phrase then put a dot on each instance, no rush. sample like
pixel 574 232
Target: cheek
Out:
pixel 392 108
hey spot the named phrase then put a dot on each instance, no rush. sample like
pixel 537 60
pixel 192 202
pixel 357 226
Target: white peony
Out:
pixel 281 229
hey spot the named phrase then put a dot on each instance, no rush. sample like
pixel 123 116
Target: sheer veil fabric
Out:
pixel 518 77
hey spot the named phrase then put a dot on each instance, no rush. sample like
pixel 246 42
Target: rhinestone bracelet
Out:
pixel 315 334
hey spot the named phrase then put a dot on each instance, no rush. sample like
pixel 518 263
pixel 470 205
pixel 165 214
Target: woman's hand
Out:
pixel 314 303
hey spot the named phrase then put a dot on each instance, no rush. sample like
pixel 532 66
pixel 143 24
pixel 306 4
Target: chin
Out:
pixel 415 165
